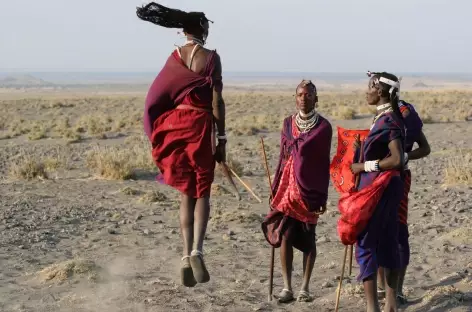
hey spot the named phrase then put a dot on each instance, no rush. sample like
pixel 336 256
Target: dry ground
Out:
pixel 84 227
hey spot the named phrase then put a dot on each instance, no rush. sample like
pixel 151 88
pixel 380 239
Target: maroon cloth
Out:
pixel 311 161
pixel 311 154
pixel 173 83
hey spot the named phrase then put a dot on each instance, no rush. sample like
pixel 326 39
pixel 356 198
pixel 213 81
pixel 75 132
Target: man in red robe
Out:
pixel 300 188
pixel 182 106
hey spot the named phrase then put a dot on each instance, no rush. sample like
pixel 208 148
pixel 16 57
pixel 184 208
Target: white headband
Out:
pixel 391 83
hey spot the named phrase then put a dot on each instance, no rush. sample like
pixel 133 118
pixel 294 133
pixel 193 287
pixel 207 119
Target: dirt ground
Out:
pixel 74 239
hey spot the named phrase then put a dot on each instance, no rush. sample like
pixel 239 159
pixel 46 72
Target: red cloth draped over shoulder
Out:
pixel 173 83
pixel 182 138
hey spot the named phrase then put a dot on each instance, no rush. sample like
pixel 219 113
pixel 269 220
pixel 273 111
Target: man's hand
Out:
pixel 321 210
pixel 220 154
pixel 357 168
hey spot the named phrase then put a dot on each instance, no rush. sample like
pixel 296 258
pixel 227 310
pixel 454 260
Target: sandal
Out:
pixel 381 293
pixel 304 296
pixel 198 266
pixel 401 298
pixel 285 296
pixel 186 273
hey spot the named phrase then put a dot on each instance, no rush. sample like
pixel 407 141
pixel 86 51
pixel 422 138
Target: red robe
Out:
pixel 182 138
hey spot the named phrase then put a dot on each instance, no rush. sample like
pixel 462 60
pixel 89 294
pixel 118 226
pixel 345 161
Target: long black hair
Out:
pixel 392 92
pixel 190 22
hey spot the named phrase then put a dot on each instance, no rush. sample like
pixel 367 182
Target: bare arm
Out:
pixel 218 102
pixel 423 149
pixel 394 161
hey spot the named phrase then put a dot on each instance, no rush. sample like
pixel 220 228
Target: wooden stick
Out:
pixel 272 251
pixel 358 176
pixel 350 259
pixel 245 185
pixel 338 292
pixel 226 173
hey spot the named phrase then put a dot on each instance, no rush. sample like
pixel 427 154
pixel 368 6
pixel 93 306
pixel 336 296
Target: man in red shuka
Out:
pixel 182 106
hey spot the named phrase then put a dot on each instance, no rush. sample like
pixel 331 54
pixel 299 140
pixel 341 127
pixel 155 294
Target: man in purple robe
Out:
pixel 300 188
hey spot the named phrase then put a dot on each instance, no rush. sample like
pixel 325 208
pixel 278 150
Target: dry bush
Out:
pixel 120 163
pixel 153 197
pixel 28 167
pixel 253 124
pixel 344 113
pixel 459 169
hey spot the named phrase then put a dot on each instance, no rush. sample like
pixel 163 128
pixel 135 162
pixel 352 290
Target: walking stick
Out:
pixel 338 292
pixel 272 252
pixel 359 143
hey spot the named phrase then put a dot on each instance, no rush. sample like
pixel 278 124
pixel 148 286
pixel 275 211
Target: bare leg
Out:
pixel 308 264
pixel 401 279
pixel 381 281
pixel 202 214
pixel 286 257
pixel 187 208
pixel 391 277
pixel 370 291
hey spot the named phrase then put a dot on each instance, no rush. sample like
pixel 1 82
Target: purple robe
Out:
pixel 311 161
pixel 377 245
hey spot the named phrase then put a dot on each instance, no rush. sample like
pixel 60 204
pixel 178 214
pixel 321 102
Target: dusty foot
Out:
pixel 186 273
pixel 198 266
pixel 304 296
pixel 284 296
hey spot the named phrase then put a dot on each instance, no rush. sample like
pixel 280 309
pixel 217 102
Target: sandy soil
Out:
pixel 76 242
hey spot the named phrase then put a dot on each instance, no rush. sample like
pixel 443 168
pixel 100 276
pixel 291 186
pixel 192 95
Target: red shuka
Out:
pixel 182 138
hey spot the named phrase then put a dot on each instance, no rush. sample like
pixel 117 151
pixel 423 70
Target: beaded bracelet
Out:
pixel 371 165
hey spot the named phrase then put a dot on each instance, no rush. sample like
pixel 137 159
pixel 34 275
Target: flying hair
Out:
pixel 172 18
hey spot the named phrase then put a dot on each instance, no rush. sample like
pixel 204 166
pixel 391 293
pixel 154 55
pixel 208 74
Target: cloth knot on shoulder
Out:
pixel 209 80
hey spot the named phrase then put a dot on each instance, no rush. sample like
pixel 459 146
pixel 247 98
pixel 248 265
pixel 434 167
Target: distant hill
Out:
pixel 420 85
pixel 18 81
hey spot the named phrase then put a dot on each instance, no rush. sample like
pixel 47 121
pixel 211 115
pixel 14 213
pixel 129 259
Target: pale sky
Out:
pixel 249 35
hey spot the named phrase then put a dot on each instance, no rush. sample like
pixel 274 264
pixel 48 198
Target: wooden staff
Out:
pixel 246 186
pixel 272 252
pixel 361 159
pixel 226 173
pixel 338 292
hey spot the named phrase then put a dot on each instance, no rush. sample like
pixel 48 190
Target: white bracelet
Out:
pixel 405 158
pixel 221 137
pixel 371 165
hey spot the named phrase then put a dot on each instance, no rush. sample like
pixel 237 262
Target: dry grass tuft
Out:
pixel 344 113
pixel 444 296
pixel 351 290
pixel 153 197
pixel 459 169
pixel 219 190
pixel 63 271
pixel 129 191
pixel 220 217
pixel 461 235
pixel 28 167
pixel 120 163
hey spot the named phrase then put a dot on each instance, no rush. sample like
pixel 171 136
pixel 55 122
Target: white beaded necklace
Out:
pixel 389 110
pixel 305 125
